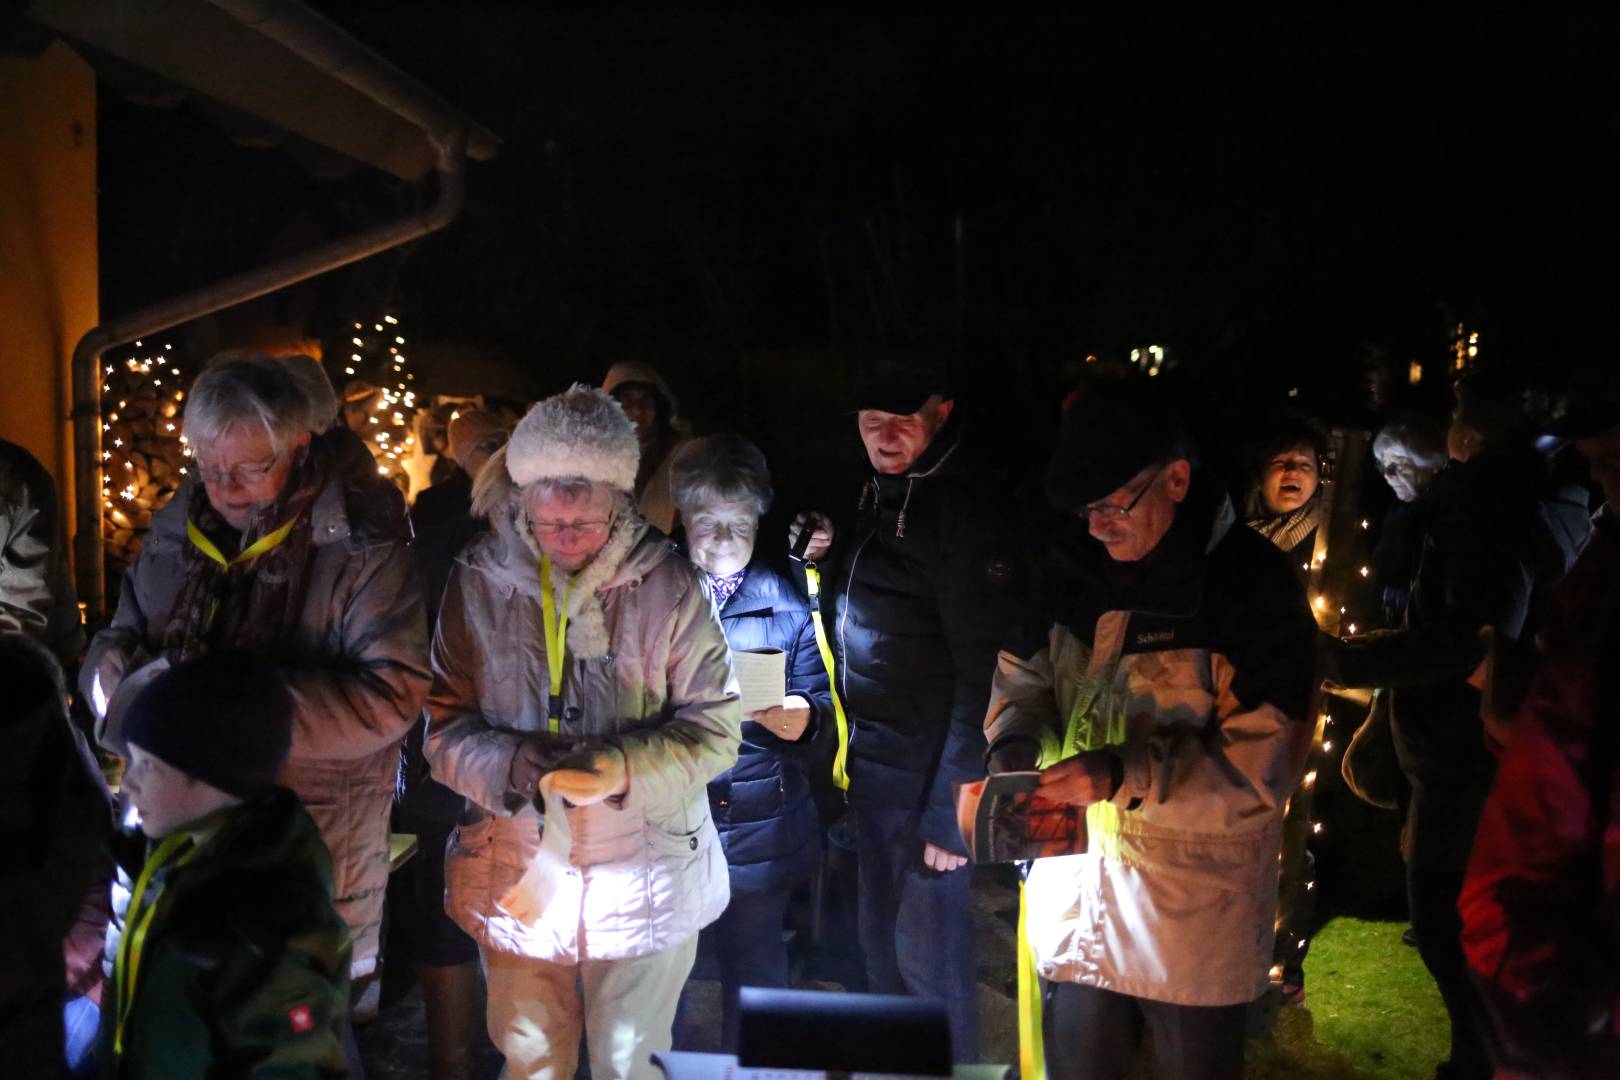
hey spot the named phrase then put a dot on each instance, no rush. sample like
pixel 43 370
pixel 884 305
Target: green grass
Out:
pixel 1371 1012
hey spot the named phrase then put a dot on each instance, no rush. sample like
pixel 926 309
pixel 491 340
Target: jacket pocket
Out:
pixel 674 844
pixel 678 869
pixel 473 837
pixel 468 870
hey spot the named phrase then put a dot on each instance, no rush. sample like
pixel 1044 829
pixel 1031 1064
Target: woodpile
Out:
pixel 144 457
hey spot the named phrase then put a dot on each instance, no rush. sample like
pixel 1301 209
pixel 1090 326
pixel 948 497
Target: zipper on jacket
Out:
pixel 843 623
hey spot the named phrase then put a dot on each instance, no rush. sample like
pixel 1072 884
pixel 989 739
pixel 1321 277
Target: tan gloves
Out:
pixel 601 775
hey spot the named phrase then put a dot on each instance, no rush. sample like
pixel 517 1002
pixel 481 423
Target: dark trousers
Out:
pixel 916 924
pixel 749 947
pixel 1441 823
pixel 1092 1034
pixel 416 895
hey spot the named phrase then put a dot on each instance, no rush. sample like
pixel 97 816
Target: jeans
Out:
pixel 748 943
pixel 916 924
pixel 1092 1034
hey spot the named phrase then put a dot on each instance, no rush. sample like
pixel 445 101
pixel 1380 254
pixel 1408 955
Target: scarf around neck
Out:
pixel 1288 530
pixel 723 587
pixel 249 604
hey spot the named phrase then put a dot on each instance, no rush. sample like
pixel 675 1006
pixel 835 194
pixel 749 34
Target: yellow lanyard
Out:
pixel 137 923
pixel 555 618
pixel 1031 1039
pixel 812 581
pixel 254 550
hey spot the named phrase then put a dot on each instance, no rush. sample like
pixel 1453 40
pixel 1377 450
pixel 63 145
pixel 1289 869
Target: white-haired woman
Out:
pixel 283 540
pixel 763 806
pixel 1410 451
pixel 583 698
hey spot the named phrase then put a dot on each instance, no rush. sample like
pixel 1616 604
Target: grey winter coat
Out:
pixel 648 670
pixel 357 668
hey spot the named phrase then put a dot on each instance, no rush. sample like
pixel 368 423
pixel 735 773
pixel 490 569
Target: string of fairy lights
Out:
pixel 375 382
pixel 1331 599
pixel 144 454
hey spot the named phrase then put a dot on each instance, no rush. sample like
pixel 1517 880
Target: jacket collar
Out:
pixel 511 558
pixel 760 593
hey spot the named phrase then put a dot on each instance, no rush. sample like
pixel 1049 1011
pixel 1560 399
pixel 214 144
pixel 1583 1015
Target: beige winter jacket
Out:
pixel 357 668
pixel 648 669
pixel 1200 689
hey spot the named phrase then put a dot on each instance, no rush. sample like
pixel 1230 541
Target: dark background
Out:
pixel 1285 204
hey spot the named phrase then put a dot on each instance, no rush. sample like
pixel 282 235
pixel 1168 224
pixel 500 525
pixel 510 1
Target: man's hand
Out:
pixel 537 755
pixel 786 721
pixel 821 534
pixel 937 858
pixel 600 776
pixel 1081 780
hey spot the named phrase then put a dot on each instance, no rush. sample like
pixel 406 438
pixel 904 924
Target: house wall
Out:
pixel 48 259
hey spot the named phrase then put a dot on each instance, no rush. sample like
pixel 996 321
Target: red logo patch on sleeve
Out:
pixel 301 1019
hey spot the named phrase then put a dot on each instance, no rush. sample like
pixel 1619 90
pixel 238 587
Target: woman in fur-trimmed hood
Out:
pixel 584 738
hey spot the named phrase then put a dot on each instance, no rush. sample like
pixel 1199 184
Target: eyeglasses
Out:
pixel 1110 512
pixel 240 475
pixel 577 528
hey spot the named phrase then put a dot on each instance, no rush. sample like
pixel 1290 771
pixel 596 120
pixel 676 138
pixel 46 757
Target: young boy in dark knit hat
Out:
pixel 233 962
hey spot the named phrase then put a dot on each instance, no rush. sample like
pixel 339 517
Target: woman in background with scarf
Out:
pixel 1286 504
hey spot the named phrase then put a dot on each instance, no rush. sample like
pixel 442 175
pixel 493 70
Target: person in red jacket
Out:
pixel 1541 903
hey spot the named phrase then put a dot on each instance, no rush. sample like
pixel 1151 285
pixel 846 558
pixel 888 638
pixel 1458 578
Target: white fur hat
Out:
pixel 582 432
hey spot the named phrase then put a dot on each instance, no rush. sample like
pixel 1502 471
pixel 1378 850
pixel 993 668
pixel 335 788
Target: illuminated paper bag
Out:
pixel 547 874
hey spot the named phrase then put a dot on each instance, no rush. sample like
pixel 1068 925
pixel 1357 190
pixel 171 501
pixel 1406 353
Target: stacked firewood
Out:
pixel 144 456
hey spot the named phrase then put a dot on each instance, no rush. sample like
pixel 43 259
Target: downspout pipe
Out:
pixel 90 574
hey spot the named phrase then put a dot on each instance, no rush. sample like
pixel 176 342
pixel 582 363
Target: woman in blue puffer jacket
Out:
pixel 763 806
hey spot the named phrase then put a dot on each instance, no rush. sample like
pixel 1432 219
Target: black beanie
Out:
pixel 1110 434
pixel 224 718
pixel 898 382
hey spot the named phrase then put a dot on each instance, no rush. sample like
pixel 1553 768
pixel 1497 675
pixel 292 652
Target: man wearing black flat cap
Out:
pixel 930 580
pixel 1168 695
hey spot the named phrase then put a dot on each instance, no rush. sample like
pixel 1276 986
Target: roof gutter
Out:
pixel 90 574
pixel 319 42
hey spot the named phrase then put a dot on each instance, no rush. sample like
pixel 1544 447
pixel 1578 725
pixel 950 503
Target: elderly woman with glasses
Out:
pixel 1410 451
pixel 583 699
pixel 285 541
pixel 763 806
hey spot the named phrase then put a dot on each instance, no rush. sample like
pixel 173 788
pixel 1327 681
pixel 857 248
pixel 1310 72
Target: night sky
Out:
pixel 1273 199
